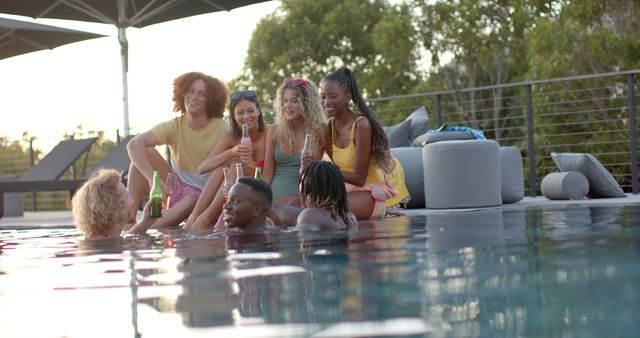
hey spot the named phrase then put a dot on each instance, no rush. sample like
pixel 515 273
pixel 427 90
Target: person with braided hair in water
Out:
pixel 358 145
pixel 323 197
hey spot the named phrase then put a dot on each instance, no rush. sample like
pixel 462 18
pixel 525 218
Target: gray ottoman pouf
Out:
pixel 462 174
pixel 568 185
pixel 512 174
pixel 411 160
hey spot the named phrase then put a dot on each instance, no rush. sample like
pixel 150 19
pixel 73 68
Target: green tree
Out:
pixel 586 37
pixel 14 156
pixel 312 38
pixel 479 43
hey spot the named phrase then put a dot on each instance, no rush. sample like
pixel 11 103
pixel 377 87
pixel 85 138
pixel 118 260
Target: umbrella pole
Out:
pixel 124 54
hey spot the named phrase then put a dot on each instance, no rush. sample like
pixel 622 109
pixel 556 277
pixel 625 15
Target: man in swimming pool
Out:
pixel 247 205
pixel 100 207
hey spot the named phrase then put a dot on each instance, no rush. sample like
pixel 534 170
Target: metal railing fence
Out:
pixel 588 114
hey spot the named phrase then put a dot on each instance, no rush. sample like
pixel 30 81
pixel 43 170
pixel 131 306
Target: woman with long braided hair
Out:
pixel 360 148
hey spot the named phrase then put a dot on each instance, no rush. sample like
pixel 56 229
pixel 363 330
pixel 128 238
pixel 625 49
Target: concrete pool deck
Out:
pixel 56 219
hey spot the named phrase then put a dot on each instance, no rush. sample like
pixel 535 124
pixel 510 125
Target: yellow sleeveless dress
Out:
pixel 386 191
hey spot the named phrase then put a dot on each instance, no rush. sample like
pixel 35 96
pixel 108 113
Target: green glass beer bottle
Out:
pixel 155 195
pixel 258 173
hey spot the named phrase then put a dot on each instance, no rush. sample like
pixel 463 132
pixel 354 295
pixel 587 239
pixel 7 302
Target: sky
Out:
pixel 49 93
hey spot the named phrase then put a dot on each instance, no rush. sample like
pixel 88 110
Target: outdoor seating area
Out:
pixel 462 174
pixel 453 170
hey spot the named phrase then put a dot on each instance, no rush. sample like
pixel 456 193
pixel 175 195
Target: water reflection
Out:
pixel 379 280
pixel 457 230
pixel 494 272
pixel 584 271
pixel 456 269
pixel 514 231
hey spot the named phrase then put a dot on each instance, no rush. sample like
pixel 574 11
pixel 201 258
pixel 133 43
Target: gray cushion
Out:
pixel 432 136
pixel 399 134
pixel 419 141
pixel 419 122
pixel 462 174
pixel 411 160
pixel 512 174
pixel 569 185
pixel 601 182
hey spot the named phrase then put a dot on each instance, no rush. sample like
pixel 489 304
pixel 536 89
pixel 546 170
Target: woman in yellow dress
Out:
pixel 360 148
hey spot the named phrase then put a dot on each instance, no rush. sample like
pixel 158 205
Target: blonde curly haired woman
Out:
pixel 101 207
pixel 298 112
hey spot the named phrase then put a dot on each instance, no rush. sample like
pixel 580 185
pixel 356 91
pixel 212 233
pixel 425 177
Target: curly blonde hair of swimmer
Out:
pixel 312 113
pixel 96 206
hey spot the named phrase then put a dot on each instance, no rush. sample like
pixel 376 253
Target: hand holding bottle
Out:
pixel 306 155
pixel 242 152
pixel 246 142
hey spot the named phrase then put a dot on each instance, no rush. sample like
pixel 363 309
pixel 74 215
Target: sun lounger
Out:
pixel 45 175
pixel 117 159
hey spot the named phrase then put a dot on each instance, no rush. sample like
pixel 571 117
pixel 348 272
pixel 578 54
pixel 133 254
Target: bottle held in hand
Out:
pixel 239 171
pixel 246 141
pixel 306 151
pixel 155 195
pixel 228 181
pixel 258 174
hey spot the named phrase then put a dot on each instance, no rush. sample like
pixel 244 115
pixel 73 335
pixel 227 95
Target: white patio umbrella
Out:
pixel 122 14
pixel 20 37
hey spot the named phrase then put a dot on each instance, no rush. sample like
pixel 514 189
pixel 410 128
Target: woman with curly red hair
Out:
pixel 200 99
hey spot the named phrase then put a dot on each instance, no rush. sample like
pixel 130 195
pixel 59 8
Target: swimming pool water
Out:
pixel 540 272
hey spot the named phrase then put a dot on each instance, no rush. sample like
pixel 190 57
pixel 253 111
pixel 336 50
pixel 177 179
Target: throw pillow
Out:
pixel 601 182
pixel 399 134
pixel 419 141
pixel 419 122
pixel 570 185
pixel 433 136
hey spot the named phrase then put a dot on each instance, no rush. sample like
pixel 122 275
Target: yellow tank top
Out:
pixel 345 158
